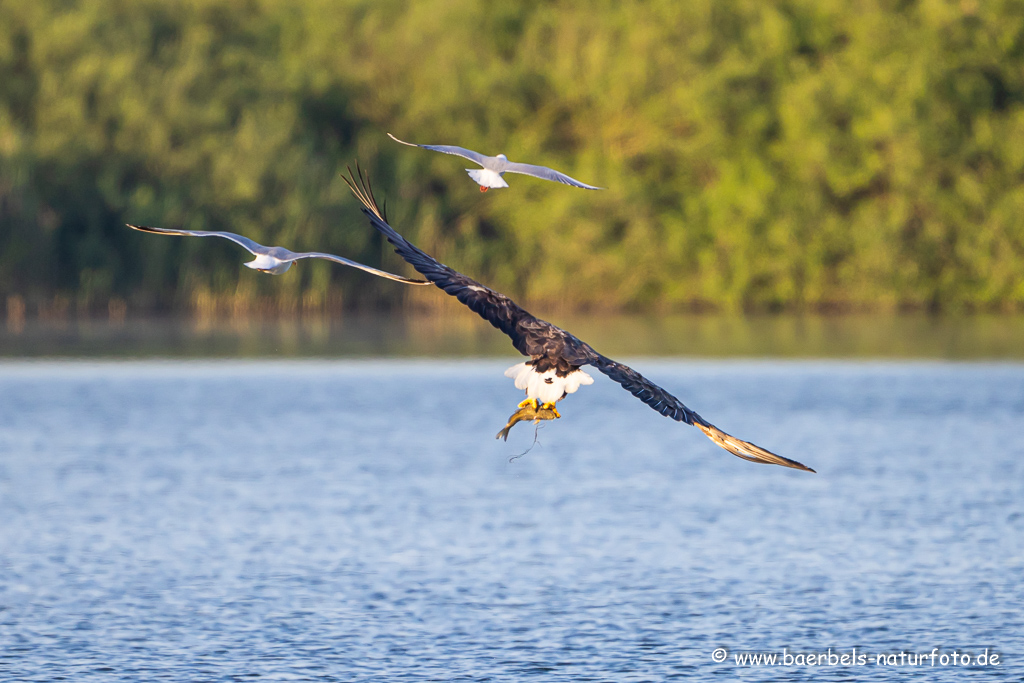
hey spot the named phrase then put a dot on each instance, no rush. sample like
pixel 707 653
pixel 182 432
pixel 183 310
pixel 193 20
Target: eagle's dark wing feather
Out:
pixel 670 406
pixel 494 307
pixel 645 390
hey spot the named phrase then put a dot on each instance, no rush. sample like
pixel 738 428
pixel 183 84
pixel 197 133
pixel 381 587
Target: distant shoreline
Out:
pixel 457 334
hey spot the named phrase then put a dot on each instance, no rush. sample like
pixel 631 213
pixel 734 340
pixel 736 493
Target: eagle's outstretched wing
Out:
pixel 645 390
pixel 495 308
pixel 670 406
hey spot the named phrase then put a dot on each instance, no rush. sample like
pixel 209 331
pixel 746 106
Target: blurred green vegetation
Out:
pixel 759 154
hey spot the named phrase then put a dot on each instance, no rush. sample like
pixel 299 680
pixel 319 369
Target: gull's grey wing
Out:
pixel 253 247
pixel 279 253
pixel 670 406
pixel 475 157
pixel 494 307
pixel 547 174
pixel 295 256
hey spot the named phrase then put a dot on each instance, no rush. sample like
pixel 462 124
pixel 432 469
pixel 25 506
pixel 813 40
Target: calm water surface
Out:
pixel 356 520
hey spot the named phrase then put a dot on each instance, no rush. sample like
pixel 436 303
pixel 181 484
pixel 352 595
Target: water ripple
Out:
pixel 178 521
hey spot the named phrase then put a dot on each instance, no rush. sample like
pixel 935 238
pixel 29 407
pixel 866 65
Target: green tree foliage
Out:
pixel 759 154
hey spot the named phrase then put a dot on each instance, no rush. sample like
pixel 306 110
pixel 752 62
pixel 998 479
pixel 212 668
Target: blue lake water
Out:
pixel 357 520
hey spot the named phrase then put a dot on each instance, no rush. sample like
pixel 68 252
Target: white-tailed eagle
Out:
pixel 555 356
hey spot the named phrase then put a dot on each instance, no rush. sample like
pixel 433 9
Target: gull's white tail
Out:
pixel 269 264
pixel 485 177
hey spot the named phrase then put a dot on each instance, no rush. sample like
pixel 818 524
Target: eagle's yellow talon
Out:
pixel 551 407
pixel 528 402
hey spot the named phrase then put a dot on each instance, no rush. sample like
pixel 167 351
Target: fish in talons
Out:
pixel 533 402
pixel 544 386
pixel 529 410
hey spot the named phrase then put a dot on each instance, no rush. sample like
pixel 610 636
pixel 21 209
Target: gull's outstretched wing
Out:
pixel 280 253
pixel 252 247
pixel 547 174
pixel 295 256
pixel 670 406
pixel 494 307
pixel 475 157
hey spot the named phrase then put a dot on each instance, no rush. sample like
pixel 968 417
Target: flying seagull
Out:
pixel 556 357
pixel 275 260
pixel 495 167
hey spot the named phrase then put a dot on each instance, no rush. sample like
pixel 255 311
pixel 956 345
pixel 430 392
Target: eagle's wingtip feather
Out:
pixel 746 450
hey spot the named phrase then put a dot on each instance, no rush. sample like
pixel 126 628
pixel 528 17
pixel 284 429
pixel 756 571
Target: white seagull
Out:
pixel 494 167
pixel 275 260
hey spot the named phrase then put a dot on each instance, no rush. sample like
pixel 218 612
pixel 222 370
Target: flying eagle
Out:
pixel 494 167
pixel 556 357
pixel 274 260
